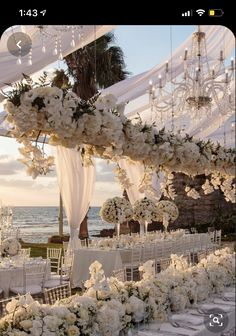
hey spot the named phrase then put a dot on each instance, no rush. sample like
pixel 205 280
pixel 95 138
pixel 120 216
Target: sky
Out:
pixel 143 47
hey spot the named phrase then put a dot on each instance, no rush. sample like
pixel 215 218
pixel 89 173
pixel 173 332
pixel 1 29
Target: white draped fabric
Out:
pixel 76 184
pixel 129 89
pixel 11 72
pixel 135 171
pixel 133 91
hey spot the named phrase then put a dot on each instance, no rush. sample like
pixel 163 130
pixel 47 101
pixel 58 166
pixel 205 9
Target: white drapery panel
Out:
pixel 76 184
pixel 11 72
pixel 135 171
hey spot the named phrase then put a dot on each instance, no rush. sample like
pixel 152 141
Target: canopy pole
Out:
pixel 60 217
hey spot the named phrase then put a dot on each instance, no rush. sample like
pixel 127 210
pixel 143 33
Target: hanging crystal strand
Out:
pixel 30 57
pixel 18 62
pixel 43 48
pixel 55 51
pixel 81 36
pixel 72 37
pixel 60 57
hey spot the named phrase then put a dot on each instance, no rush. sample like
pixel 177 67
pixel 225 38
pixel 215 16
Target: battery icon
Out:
pixel 215 12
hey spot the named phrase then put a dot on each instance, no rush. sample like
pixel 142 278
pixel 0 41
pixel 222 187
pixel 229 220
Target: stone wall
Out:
pixel 192 213
pixel 204 210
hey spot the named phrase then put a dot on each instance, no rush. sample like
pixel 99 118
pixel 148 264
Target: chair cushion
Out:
pixel 32 289
pixel 58 277
pixel 54 283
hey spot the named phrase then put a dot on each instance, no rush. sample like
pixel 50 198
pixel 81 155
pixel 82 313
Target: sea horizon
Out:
pixel 38 223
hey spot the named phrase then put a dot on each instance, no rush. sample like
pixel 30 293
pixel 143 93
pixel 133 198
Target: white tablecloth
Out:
pixel 83 258
pixel 168 330
pixel 115 259
pixel 13 277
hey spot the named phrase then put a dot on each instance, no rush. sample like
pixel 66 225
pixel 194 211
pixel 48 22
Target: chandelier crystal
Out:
pixel 204 85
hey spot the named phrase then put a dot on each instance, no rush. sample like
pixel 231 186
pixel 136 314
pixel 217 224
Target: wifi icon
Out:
pixel 200 12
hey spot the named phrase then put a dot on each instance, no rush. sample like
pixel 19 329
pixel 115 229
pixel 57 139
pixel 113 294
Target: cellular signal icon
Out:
pixel 188 13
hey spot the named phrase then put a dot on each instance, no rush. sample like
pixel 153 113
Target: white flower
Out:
pixel 70 318
pixel 109 321
pixel 145 210
pixel 168 210
pixel 52 322
pixel 137 308
pixel 148 269
pixel 26 324
pixel 108 101
pixel 73 331
pixel 10 246
pixel 116 210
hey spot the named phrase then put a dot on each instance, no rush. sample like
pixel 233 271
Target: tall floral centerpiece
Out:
pixel 10 247
pixel 145 211
pixel 116 210
pixel 168 211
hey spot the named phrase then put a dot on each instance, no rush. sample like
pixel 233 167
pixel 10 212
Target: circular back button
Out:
pixel 19 44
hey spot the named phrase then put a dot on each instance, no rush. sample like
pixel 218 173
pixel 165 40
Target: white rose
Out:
pixel 20 333
pixel 71 318
pixel 52 322
pixel 84 314
pixel 26 324
pixel 73 331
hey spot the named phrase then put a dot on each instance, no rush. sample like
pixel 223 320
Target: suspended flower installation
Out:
pixel 35 109
pixel 122 178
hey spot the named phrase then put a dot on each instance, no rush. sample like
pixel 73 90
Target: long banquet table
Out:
pixel 112 259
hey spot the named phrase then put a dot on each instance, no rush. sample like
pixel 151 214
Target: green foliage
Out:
pixel 85 107
pixel 100 64
pixel 18 89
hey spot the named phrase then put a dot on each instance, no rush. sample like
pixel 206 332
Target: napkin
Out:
pixel 186 318
pixel 224 307
pixel 230 295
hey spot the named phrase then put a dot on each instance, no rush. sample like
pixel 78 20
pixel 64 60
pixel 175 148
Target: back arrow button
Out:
pixel 18 44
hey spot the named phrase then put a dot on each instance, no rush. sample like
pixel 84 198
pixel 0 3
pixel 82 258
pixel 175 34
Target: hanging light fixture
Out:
pixel 203 86
pixel 55 32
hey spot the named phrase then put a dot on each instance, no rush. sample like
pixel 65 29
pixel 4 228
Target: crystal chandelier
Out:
pixel 54 33
pixel 203 86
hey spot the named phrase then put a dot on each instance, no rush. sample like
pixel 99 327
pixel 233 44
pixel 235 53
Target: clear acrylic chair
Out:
pixel 64 275
pixel 54 255
pixel 132 268
pixel 217 239
pixel 148 252
pixel 25 252
pixel 33 280
pixel 51 295
pixel 201 255
pixel 120 274
pixel 164 263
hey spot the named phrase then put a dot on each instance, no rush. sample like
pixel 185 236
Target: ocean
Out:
pixel 36 224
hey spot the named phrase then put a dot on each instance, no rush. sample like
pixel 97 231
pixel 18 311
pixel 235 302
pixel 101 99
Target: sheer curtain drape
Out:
pixel 135 171
pixel 76 186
